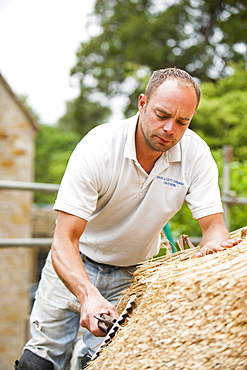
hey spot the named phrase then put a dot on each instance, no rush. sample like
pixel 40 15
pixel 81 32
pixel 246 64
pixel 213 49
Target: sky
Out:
pixel 38 44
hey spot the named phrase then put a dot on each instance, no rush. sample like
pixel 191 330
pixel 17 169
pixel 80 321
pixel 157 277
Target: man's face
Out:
pixel 166 116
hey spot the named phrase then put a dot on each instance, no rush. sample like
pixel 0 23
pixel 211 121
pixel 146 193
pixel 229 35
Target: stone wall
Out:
pixel 43 225
pixel 17 134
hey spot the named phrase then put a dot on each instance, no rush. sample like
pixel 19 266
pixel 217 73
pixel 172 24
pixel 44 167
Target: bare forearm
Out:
pixel 66 256
pixel 70 269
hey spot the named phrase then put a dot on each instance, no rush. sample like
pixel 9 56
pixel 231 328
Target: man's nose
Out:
pixel 169 126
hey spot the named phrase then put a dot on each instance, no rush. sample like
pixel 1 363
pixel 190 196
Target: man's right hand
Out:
pixel 95 304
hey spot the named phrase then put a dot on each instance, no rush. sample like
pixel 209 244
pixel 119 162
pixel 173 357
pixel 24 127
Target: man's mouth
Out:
pixel 163 140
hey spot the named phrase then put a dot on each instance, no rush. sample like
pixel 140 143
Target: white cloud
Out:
pixel 38 43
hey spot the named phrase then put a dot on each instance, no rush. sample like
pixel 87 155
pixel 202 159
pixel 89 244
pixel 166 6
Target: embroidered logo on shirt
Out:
pixel 171 182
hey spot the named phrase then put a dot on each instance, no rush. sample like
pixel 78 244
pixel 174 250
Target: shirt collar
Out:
pixel 174 154
pixel 130 147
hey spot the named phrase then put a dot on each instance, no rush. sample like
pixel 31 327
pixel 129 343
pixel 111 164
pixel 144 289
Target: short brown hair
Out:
pixel 159 76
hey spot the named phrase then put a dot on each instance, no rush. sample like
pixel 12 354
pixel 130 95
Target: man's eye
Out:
pixel 159 116
pixel 181 123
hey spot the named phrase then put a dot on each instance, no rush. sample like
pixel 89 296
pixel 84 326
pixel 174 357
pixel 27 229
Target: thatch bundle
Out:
pixel 191 314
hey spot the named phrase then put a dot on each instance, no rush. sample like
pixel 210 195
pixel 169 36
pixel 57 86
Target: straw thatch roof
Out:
pixel 191 314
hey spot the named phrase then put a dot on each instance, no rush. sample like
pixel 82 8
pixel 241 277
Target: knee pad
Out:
pixel 31 361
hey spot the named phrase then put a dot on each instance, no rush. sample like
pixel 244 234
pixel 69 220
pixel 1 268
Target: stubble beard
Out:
pixel 152 140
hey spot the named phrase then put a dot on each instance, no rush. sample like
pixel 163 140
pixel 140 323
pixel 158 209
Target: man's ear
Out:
pixel 142 102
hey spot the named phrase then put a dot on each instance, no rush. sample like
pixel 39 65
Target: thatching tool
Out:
pixel 121 319
pixel 106 323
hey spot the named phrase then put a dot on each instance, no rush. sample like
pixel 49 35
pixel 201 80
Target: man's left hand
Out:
pixel 212 247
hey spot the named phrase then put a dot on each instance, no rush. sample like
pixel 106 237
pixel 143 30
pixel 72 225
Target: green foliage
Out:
pixel 183 223
pixel 83 114
pixel 238 186
pixel 53 149
pixel 139 36
pixel 238 213
pixel 222 113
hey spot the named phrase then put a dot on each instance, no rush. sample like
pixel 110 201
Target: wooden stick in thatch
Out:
pixel 190 315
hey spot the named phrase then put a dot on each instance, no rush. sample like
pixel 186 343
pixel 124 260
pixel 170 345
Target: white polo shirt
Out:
pixel 125 207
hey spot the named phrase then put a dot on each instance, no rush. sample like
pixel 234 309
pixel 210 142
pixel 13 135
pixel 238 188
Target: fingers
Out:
pixel 204 251
pixel 199 254
pixel 92 325
pixel 231 242
pixel 236 241
pixel 218 247
pixel 94 307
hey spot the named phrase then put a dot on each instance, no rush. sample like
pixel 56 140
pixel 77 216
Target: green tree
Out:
pixel 183 223
pixel 53 149
pixel 138 36
pixel 83 113
pixel 238 212
pixel 222 113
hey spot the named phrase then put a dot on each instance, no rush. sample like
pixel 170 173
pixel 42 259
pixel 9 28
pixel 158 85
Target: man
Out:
pixel 123 182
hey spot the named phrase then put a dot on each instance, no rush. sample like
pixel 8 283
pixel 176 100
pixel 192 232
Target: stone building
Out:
pixel 18 129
